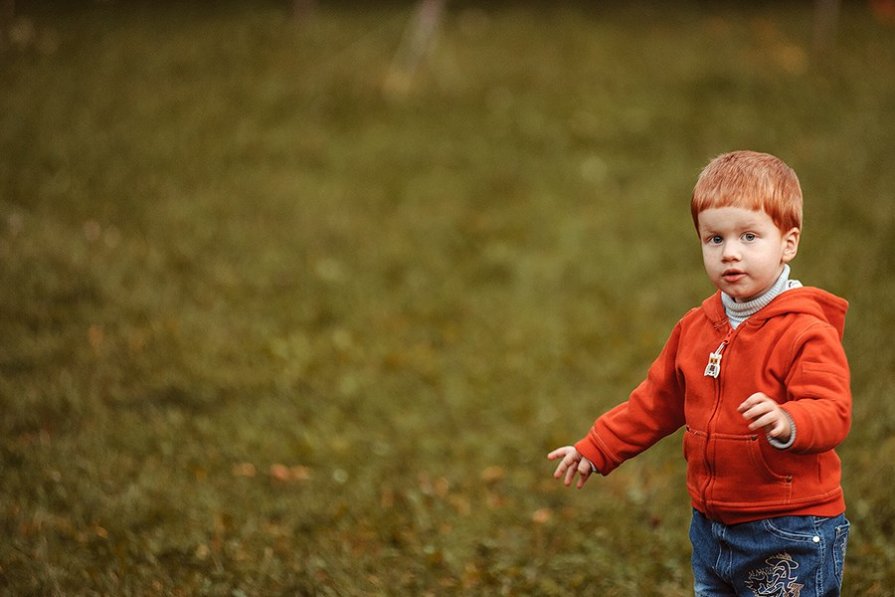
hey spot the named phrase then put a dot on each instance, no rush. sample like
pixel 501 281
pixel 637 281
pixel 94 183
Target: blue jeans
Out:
pixel 776 557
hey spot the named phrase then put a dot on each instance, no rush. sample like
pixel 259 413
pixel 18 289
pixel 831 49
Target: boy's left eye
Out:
pixel 749 236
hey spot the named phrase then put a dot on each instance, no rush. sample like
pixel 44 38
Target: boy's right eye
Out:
pixel 715 240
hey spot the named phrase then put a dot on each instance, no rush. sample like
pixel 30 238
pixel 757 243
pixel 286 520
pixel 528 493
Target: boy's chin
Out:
pixel 740 295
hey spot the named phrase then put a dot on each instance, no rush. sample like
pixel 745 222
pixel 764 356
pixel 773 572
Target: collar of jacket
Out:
pixel 808 300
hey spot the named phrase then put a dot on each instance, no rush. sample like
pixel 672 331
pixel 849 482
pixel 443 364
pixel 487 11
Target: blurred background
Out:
pixel 295 296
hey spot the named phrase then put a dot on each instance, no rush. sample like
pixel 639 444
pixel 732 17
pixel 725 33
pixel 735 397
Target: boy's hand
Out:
pixel 571 462
pixel 764 412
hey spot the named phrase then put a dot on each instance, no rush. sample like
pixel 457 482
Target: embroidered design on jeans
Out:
pixel 777 580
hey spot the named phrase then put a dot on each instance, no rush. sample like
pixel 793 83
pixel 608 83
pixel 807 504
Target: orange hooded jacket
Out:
pixel 792 351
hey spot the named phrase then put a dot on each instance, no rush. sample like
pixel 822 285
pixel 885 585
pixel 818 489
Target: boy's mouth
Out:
pixel 733 275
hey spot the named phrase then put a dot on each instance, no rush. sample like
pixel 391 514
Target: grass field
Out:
pixel 267 329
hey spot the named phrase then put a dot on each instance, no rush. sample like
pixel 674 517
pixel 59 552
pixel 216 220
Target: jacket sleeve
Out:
pixel 818 390
pixel 653 410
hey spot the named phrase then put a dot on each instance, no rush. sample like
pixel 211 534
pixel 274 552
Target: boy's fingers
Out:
pixel 778 428
pixel 560 469
pixel 758 410
pixel 571 463
pixel 760 421
pixel 558 453
pixel 754 413
pixel 570 472
pixel 751 401
pixel 584 471
pixel 768 420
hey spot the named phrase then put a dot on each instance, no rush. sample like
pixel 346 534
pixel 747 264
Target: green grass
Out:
pixel 269 330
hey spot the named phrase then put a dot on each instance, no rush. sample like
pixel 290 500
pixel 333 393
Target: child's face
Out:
pixel 743 250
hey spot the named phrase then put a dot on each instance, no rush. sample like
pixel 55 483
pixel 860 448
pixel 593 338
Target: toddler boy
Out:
pixel 758 378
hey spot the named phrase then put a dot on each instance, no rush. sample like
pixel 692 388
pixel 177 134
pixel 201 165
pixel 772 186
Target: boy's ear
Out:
pixel 791 244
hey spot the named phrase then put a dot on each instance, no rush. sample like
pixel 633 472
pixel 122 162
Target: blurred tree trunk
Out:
pixel 418 41
pixel 826 21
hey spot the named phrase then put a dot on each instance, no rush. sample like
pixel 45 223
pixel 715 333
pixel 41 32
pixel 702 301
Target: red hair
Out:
pixel 750 180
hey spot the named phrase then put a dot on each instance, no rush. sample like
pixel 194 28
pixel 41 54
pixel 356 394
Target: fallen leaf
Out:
pixel 492 474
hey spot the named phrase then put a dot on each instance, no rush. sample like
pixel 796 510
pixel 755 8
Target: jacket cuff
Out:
pixel 597 458
pixel 784 445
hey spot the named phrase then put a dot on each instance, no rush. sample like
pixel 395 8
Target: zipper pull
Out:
pixel 713 369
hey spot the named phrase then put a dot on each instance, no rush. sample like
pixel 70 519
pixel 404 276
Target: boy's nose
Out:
pixel 730 252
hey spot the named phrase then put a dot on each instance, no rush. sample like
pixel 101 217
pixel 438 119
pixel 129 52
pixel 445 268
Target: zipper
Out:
pixel 713 370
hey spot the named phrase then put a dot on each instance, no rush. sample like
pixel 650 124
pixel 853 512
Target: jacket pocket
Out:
pixel 742 475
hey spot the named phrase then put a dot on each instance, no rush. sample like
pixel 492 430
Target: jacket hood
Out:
pixel 807 300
